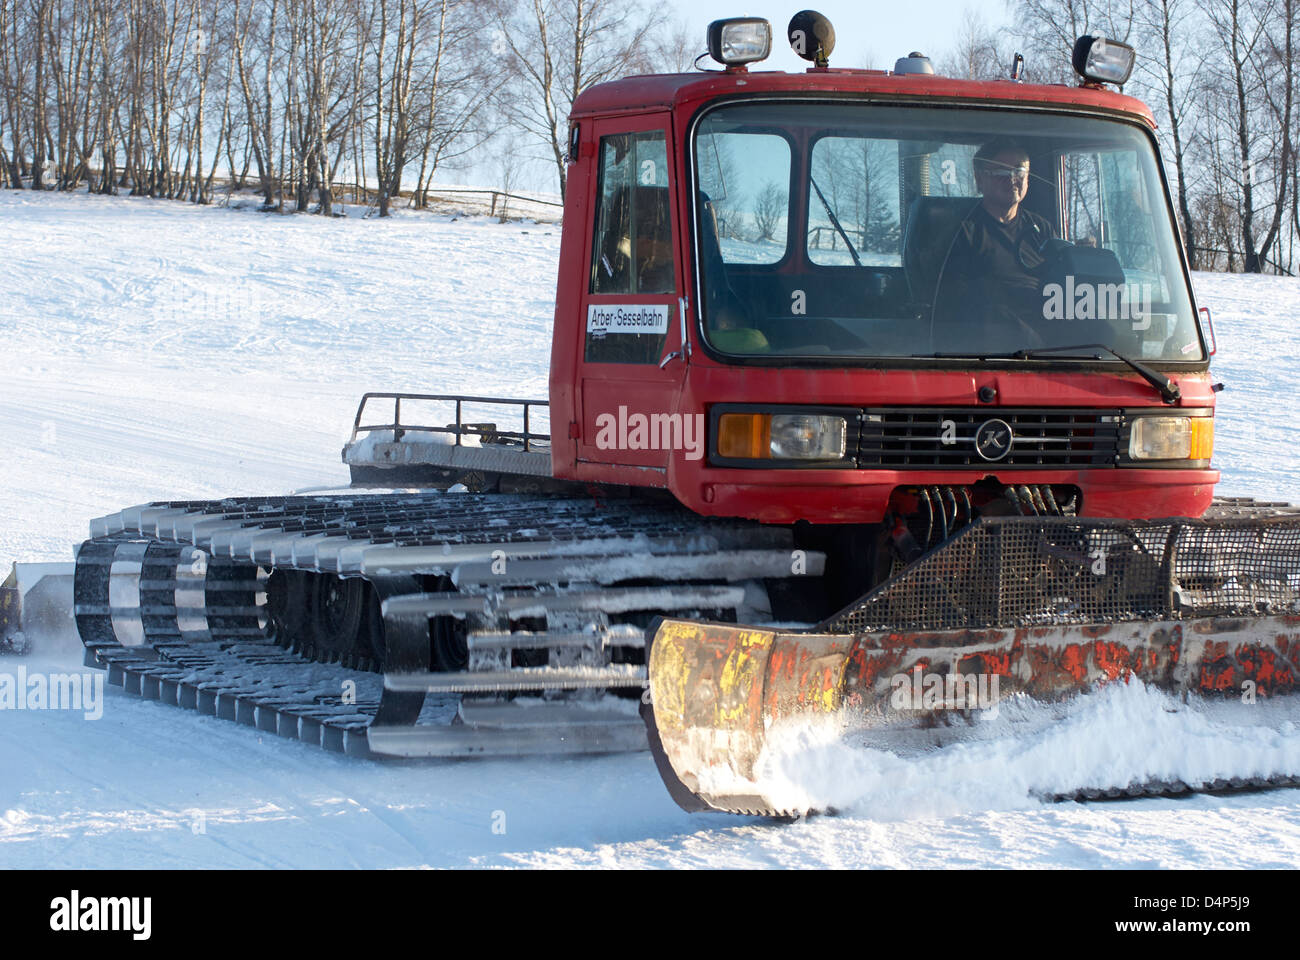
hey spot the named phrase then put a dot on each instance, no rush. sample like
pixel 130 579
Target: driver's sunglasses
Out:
pixel 1014 174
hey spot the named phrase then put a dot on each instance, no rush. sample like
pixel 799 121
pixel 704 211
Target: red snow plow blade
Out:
pixel 1206 609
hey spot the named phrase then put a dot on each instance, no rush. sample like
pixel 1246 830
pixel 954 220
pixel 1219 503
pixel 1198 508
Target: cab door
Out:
pixel 631 362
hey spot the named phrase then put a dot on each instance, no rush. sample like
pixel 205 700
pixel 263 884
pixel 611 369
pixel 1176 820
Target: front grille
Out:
pixel 1043 438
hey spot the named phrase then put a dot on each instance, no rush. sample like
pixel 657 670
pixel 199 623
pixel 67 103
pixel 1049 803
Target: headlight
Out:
pixel 781 436
pixel 1172 438
pixel 1103 61
pixel 801 436
pixel 740 40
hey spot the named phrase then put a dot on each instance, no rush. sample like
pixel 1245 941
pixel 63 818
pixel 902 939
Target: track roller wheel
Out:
pixel 288 594
pixel 336 612
pixel 447 637
pixel 375 646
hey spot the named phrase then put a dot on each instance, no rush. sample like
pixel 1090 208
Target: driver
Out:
pixel 992 284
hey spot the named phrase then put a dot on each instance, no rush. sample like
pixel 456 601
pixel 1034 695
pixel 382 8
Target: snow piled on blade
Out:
pixel 1023 752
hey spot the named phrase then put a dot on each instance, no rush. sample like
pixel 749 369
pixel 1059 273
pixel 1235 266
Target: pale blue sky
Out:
pixel 871 33
pixel 868 33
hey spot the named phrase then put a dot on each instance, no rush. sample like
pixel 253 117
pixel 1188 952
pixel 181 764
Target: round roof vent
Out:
pixel 914 62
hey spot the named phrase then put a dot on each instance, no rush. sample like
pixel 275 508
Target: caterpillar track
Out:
pixel 429 624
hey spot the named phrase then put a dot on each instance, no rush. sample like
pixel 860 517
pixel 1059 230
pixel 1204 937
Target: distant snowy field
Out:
pixel 155 350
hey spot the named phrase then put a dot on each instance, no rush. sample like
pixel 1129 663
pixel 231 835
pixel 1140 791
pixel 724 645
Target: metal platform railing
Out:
pixel 459 428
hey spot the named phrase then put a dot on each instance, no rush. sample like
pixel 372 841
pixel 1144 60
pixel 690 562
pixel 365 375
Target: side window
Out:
pixel 1083 199
pixel 1129 206
pixel 1109 206
pixel 632 252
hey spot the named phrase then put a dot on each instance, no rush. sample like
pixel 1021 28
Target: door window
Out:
pixel 632 252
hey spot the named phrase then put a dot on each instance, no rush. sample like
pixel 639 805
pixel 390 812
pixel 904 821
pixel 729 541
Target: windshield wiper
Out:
pixel 1168 389
pixel 835 222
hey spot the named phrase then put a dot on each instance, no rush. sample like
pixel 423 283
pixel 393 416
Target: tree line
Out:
pixel 168 98
pixel 160 98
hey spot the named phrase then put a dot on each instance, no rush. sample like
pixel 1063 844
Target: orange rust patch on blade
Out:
pixel 1075 662
pixel 992 662
pixel 867 667
pixel 805 675
pixel 1112 659
pixel 1270 672
pixel 1218 675
pixel 998 661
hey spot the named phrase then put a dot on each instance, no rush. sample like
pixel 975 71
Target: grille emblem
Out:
pixel 993 439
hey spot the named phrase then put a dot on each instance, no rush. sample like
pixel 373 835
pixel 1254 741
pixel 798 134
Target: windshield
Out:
pixel 868 230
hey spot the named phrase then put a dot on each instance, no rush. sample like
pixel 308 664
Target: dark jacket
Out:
pixel 990 296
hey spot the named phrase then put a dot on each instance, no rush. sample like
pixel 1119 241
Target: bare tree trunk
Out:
pixel 259 106
pixel 1239 40
pixel 223 136
pixel 41 11
pixel 1282 56
pixel 1243 144
pixel 1167 20
pixel 393 90
pixel 559 48
pixel 11 81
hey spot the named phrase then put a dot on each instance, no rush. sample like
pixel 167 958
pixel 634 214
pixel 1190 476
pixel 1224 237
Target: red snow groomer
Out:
pixel 910 360
pixel 947 330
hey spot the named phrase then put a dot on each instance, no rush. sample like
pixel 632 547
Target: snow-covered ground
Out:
pixel 156 350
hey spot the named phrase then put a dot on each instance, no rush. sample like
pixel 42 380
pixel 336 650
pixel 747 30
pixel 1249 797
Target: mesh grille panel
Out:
pixel 1059 438
pixel 1007 572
